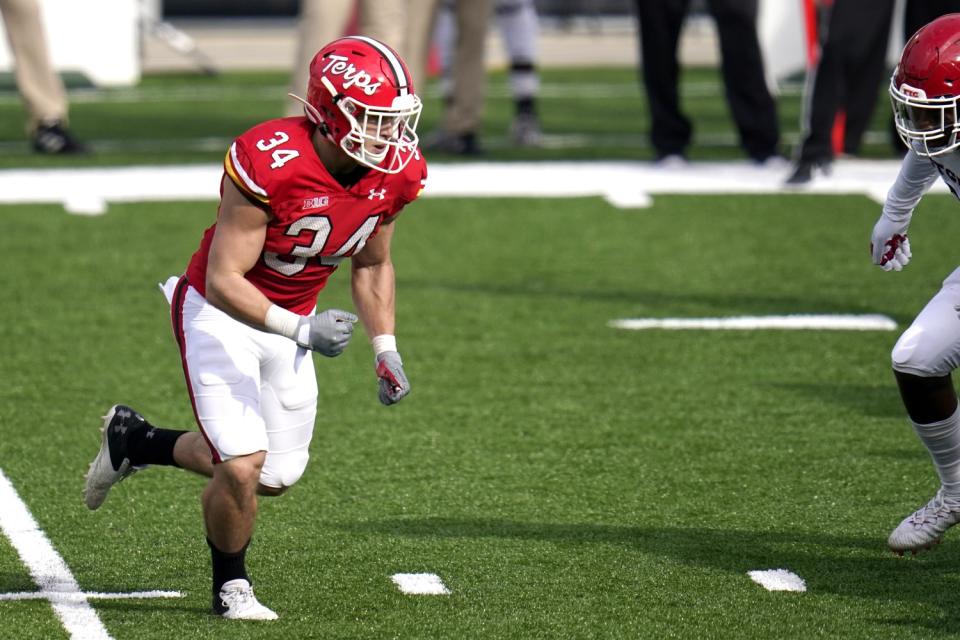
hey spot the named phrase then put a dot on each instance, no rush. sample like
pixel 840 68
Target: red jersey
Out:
pixel 315 221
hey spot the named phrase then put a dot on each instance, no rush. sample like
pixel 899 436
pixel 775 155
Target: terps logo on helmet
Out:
pixel 913 92
pixel 338 65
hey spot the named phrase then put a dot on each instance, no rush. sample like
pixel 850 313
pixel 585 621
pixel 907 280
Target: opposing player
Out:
pixel 924 89
pixel 298 195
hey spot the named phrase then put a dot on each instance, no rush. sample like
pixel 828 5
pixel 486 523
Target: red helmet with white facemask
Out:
pixel 925 87
pixel 361 96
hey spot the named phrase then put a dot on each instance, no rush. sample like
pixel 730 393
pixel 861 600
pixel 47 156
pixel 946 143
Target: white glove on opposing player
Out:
pixel 393 381
pixel 889 244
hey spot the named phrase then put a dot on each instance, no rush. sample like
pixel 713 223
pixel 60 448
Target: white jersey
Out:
pixel 917 175
pixel 930 347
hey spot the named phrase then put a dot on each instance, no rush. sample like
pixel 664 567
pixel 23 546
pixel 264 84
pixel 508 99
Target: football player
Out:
pixel 924 89
pixel 298 196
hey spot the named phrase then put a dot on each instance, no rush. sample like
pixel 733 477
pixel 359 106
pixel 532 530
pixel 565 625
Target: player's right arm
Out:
pixel 889 245
pixel 236 247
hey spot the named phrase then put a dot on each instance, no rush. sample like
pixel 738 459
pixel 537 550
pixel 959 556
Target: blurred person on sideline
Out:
pixel 518 25
pixel 322 21
pixel 754 109
pixel 847 78
pixel 459 129
pixel 925 98
pixel 40 87
pixel 298 196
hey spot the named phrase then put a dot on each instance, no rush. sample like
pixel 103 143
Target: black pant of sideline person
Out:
pixel 848 76
pixel 754 110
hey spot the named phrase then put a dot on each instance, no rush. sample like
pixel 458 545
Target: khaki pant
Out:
pixel 469 67
pixel 468 70
pixel 420 18
pixel 40 87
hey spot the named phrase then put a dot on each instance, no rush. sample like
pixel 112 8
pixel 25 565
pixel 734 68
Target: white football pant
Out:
pixel 930 347
pixel 251 390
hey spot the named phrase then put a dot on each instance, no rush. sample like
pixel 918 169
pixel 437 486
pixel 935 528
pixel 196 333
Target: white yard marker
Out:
pixel 92 595
pixel 623 184
pixel 778 580
pixel 84 205
pixel 421 584
pixel 50 572
pixel 867 322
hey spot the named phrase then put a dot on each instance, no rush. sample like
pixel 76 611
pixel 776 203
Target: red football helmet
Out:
pixel 361 96
pixel 925 86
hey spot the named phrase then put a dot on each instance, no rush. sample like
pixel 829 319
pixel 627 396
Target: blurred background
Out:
pixel 171 81
pixel 564 476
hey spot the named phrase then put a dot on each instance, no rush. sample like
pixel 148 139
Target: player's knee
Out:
pixel 281 472
pixel 918 353
pixel 239 475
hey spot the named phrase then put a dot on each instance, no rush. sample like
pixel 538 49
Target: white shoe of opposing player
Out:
pixel 923 528
pixel 237 602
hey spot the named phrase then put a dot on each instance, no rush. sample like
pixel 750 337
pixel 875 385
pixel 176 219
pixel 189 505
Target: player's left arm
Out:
pixel 889 243
pixel 373 286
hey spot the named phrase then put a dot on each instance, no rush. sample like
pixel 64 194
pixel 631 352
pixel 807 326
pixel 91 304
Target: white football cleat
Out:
pixel 923 528
pixel 111 464
pixel 237 602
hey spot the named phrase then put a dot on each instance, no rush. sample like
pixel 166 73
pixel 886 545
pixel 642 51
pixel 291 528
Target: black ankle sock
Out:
pixel 227 566
pixel 525 106
pixel 152 445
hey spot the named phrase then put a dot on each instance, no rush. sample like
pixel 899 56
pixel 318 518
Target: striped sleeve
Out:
pixel 233 164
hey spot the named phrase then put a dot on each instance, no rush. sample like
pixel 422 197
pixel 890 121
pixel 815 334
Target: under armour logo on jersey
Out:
pixel 377 194
pixel 339 66
pixel 316 202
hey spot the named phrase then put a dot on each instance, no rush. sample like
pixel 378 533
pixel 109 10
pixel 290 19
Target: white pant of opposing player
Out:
pixel 251 390
pixel 930 347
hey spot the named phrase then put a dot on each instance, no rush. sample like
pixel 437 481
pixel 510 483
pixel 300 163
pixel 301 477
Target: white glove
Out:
pixel 889 244
pixel 328 332
pixel 393 381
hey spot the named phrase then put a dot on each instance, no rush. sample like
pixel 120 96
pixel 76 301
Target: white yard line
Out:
pixel 868 322
pixel 47 568
pixel 623 184
pixel 92 595
pixel 51 574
